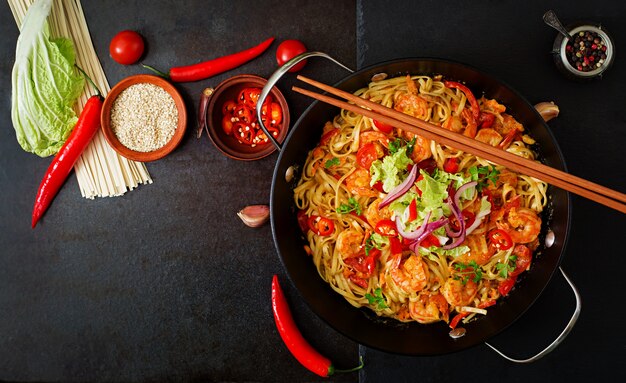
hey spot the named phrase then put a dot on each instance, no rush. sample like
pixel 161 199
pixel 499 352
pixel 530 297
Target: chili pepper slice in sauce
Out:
pixel 387 228
pixel 500 239
pixel 293 339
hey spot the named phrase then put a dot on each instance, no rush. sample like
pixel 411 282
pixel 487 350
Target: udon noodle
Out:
pixel 412 229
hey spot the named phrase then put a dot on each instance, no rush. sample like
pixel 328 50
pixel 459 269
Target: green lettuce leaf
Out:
pixel 434 192
pixel 45 85
pixel 391 170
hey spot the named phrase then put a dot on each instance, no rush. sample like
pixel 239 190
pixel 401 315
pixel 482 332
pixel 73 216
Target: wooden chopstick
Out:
pixel 558 178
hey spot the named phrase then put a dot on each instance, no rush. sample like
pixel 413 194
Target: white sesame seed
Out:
pixel 144 117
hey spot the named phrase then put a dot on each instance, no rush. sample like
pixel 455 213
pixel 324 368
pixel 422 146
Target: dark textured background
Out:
pixel 165 283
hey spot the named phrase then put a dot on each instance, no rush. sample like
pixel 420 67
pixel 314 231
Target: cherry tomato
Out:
pixel 378 186
pixel 126 47
pixel 524 257
pixel 451 165
pixel 386 227
pixel 289 49
pixel 429 165
pixel 506 285
pixel 364 264
pixel 385 128
pixel 486 120
pixel 367 154
pixel 468 217
pixel 227 124
pixel 499 239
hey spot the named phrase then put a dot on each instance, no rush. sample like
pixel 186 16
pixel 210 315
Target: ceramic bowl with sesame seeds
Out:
pixel 231 125
pixel 143 118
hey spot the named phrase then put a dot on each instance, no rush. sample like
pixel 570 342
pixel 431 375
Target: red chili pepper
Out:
pixel 321 226
pixel 387 228
pixel 500 239
pixel 62 164
pixel 457 318
pixel 506 285
pixel 468 94
pixel 508 139
pixel 412 210
pixel 468 217
pixel 216 66
pixel 295 342
pixel 327 136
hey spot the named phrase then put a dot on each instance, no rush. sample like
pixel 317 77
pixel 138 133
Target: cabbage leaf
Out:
pixel 45 85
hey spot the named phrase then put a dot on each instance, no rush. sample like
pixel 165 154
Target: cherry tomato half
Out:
pixel 385 128
pixel 451 165
pixel 367 154
pixel 126 47
pixel 289 49
pixel 429 241
pixel 500 239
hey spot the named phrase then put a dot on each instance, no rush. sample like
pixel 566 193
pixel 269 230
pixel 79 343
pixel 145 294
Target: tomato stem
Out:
pixel 162 74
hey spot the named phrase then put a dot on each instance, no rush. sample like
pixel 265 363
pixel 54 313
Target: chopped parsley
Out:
pixel 351 206
pixel 484 174
pixel 396 144
pixel 377 299
pixel 372 243
pixel 465 271
pixel 332 162
pixel 507 268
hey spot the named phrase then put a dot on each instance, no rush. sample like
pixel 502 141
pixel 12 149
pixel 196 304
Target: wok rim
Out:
pixel 566 204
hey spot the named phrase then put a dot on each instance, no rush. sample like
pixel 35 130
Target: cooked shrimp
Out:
pixel 465 123
pixel 480 252
pixel 457 293
pixel 349 243
pixel 429 308
pixel 509 124
pixel 489 136
pixel 522 224
pixel 373 136
pixel 373 214
pixel 411 103
pixel 359 183
pixel 492 105
pixel 411 275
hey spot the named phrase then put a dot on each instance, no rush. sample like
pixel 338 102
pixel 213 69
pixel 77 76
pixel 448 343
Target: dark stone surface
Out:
pixel 164 283
pixel 509 40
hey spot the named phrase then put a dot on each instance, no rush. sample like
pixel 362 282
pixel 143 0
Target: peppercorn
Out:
pixel 586 51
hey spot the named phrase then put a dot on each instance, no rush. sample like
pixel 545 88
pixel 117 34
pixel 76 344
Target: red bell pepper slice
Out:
pixel 468 94
pixel 412 210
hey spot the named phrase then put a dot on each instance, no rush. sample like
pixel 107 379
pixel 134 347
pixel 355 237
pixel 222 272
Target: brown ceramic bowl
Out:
pixel 227 144
pixel 105 119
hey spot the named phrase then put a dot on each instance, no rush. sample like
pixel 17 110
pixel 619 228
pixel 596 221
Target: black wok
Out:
pixel 363 325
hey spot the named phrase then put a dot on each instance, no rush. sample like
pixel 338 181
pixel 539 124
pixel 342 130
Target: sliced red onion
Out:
pixel 456 211
pixel 461 190
pixel 477 221
pixel 399 190
pixel 429 229
pixel 415 233
pixel 457 241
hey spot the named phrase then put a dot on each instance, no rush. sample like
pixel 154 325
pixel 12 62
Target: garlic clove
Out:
pixel 547 110
pixel 254 215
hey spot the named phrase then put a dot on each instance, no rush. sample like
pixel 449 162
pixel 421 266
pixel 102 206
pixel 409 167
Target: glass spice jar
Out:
pixel 588 55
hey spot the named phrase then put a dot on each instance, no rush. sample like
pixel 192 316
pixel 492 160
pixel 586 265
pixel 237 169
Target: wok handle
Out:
pixel 274 79
pixel 562 335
